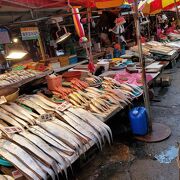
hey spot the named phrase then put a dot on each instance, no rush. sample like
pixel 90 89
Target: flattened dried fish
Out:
pixel 46 148
pixel 33 106
pixel 17 163
pixel 61 143
pixel 82 130
pixel 46 169
pixel 16 113
pixel 46 101
pixel 50 141
pixel 22 110
pixel 22 122
pixel 40 103
pixel 9 120
pixel 62 134
pixel 23 156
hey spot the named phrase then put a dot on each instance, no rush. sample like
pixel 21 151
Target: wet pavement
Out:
pixel 128 159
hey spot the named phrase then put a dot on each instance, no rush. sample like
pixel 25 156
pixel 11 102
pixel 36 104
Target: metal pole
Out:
pixel 39 40
pixel 89 32
pixel 142 62
pixel 177 12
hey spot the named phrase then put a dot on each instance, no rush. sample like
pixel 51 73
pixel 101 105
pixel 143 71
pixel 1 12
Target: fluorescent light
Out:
pixel 15 40
pixel 63 37
pixel 16 55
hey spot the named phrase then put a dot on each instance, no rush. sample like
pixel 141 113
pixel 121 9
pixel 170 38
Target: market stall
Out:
pixel 44 132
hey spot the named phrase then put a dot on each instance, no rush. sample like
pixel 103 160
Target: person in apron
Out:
pixel 119 30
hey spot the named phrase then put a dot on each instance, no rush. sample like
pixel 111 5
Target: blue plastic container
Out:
pixel 138 120
pixel 73 59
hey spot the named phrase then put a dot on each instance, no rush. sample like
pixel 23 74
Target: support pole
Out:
pixel 39 40
pixel 41 48
pixel 142 62
pixel 89 32
pixel 177 13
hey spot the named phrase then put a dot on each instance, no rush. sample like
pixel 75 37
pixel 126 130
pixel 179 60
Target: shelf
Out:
pixel 70 66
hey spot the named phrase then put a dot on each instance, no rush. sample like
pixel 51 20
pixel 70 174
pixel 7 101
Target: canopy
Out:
pixel 158 5
pixel 34 4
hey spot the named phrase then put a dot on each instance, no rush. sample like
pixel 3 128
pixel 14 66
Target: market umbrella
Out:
pixel 156 6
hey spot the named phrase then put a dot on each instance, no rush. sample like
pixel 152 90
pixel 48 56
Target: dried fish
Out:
pixel 22 122
pixel 22 110
pixel 23 156
pixel 16 113
pixel 61 143
pixel 17 163
pixel 9 120
pixel 40 103
pixel 46 148
pixel 45 100
pixel 93 120
pixel 33 106
pixel 50 141
pixel 66 136
pixel 83 130
pixel 46 169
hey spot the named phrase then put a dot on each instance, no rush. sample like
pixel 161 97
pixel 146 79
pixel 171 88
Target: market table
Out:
pixel 28 80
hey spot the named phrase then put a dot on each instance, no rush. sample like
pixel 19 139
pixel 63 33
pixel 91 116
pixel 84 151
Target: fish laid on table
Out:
pixel 35 151
pixel 50 141
pixel 68 127
pixel 46 148
pixel 63 146
pixel 32 105
pixel 9 120
pixel 61 133
pixel 45 100
pixel 83 131
pixel 16 113
pixel 23 111
pixel 40 103
pixel 48 170
pixel 22 122
pixel 93 120
pixel 18 152
pixel 86 126
pixel 29 174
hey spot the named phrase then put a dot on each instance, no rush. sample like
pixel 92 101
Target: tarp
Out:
pixel 32 4
pixel 159 5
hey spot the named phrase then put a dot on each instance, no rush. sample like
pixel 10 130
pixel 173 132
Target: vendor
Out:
pixel 119 30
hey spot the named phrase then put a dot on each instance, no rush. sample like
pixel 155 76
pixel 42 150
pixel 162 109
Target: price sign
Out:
pixel 46 117
pixel 12 130
pixel 16 174
pixel 29 33
pixel 62 107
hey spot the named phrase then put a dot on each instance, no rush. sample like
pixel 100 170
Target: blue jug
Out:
pixel 138 120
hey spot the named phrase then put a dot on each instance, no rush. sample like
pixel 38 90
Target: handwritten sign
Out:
pixel 16 174
pixel 46 117
pixel 12 129
pixel 62 107
pixel 29 33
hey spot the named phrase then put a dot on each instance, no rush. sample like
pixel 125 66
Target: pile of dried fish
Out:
pixel 16 76
pixel 47 148
pixel 129 90
pixel 103 100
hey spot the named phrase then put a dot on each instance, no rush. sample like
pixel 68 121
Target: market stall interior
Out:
pixel 68 68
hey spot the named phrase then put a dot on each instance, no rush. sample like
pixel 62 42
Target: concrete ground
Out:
pixel 128 159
